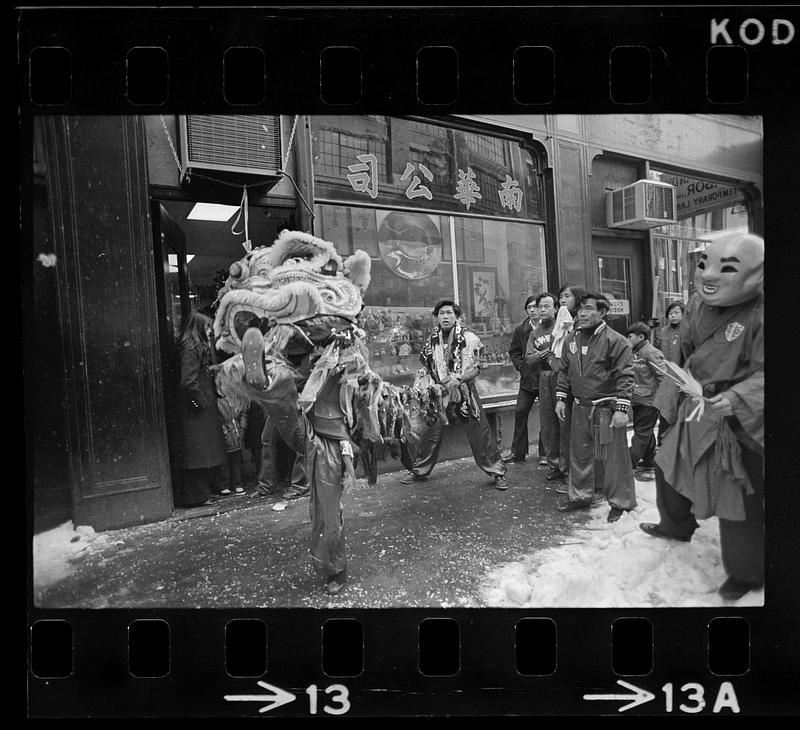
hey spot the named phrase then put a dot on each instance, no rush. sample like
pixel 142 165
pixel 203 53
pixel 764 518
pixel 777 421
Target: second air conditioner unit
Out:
pixel 643 204
pixel 248 144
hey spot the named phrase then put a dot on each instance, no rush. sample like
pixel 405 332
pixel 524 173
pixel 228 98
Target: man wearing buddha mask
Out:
pixel 713 466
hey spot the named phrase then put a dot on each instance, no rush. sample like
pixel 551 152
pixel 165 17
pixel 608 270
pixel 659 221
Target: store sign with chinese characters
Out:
pixel 363 179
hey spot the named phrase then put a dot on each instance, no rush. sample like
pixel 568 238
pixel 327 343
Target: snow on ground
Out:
pixel 54 552
pixel 617 565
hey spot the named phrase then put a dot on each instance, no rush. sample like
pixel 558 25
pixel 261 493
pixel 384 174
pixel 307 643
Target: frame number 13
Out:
pixel 339 696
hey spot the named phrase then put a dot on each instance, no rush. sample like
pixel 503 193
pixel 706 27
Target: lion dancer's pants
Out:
pixel 613 476
pixel 325 468
pixel 422 459
pixel 328 551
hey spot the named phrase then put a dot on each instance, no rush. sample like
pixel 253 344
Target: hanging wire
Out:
pixel 243 209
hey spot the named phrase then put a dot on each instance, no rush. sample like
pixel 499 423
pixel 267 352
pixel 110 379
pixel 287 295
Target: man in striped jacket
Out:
pixel 598 373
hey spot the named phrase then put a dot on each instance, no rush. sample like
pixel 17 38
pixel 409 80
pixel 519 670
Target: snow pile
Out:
pixel 54 551
pixel 617 565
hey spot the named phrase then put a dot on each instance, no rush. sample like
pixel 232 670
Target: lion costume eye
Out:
pixel 238 271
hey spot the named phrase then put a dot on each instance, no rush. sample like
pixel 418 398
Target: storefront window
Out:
pixel 443 213
pixel 489 266
pixel 705 210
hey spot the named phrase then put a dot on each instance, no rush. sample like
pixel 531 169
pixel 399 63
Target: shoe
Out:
pixel 295 493
pixel 336 582
pixel 643 474
pixel 652 529
pixel 253 358
pixel 733 590
pixel 225 493
pixel 572 506
pixel 614 514
pixel 411 478
pixel 543 461
pixel 500 483
pixel 510 459
pixel 238 492
pixel 554 475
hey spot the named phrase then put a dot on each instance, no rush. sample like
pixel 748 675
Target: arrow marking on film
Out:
pixel 639 696
pixel 276 698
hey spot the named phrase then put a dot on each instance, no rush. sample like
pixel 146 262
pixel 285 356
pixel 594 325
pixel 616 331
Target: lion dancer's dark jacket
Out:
pixel 723 348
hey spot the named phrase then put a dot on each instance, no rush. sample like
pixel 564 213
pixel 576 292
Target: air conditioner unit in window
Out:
pixel 248 144
pixel 644 204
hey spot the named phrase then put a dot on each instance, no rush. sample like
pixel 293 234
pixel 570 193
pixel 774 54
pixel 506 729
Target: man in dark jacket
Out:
pixel 598 373
pixel 528 386
pixel 648 371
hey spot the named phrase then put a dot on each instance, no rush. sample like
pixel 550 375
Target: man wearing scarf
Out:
pixel 598 373
pixel 714 465
pixel 451 358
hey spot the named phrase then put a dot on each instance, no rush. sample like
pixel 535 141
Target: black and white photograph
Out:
pixel 373 361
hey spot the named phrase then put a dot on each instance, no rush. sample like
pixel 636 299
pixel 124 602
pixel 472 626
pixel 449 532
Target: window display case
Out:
pixel 489 267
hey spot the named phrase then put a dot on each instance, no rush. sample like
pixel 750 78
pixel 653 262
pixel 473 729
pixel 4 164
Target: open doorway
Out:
pixel 195 244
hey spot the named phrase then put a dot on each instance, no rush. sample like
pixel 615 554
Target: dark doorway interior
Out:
pixel 192 258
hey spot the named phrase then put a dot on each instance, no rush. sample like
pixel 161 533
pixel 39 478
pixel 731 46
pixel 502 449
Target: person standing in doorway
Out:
pixel 233 412
pixel 648 371
pixel 452 359
pixel 201 443
pixel 598 374
pixel 528 386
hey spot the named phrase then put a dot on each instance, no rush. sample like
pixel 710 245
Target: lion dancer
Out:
pixel 321 439
pixel 713 466
pixel 304 300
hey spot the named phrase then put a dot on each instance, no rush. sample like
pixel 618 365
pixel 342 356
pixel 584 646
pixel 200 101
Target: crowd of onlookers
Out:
pixel 698 431
pixel 607 377
pixel 214 429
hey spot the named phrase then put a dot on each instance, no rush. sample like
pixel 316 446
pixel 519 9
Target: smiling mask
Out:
pixel 731 270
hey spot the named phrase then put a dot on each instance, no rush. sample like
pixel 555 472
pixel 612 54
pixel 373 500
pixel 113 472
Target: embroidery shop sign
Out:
pixel 693 197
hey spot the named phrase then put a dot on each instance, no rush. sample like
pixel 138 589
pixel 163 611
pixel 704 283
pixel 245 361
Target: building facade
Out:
pixel 486 209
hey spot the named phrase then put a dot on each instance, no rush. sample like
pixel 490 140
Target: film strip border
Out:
pixel 524 60
pixel 407 663
pixel 621 59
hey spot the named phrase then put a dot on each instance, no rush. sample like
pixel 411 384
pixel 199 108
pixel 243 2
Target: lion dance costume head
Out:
pixel 298 278
pixel 289 314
